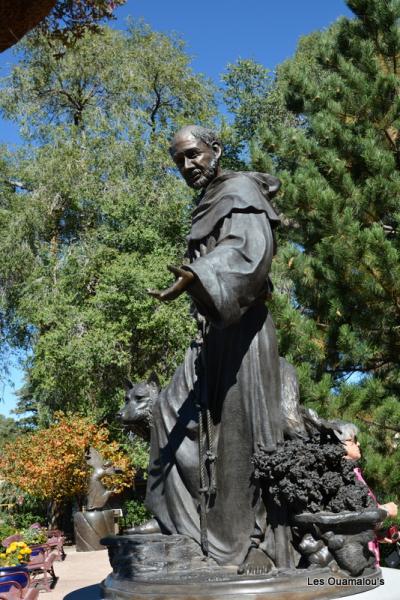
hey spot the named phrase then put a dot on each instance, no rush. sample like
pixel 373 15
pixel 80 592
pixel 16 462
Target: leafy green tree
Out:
pixel 247 85
pixel 340 168
pixel 98 214
pixel 26 408
pixel 252 96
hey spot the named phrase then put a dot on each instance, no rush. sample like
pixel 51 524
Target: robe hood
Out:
pixel 234 191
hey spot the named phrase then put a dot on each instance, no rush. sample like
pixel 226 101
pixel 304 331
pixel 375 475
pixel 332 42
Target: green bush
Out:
pixel 6 529
pixel 134 513
pixel 23 509
pixel 25 520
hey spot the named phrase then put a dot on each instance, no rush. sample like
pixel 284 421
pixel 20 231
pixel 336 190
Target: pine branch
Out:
pixel 380 425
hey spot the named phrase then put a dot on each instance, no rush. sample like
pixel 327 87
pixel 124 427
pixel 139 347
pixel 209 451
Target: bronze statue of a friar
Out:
pixel 224 401
pixel 236 511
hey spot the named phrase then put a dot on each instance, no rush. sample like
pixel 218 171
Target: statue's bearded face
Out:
pixel 197 161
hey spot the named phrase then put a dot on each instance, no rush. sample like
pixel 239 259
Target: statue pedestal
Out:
pixel 172 567
pixel 90 527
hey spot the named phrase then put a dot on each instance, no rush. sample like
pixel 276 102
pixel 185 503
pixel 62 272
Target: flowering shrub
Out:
pixel 50 463
pixel 17 553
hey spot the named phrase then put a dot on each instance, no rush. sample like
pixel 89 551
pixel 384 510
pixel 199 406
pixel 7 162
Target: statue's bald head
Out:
pixel 196 151
pixel 206 135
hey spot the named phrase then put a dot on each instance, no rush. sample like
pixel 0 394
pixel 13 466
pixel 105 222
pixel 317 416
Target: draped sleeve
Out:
pixel 234 273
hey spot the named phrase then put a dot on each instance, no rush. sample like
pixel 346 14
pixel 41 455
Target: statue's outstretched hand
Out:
pixel 183 279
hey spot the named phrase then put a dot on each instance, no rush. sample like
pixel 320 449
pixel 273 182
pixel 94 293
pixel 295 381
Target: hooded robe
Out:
pixel 232 372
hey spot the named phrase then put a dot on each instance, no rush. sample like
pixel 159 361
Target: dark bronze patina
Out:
pixel 225 400
pixel 217 530
pixel 96 521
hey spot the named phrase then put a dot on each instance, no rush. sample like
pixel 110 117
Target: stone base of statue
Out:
pixel 172 567
pixel 90 527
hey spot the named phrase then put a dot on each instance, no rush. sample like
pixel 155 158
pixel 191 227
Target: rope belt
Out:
pixel 207 456
pixel 207 472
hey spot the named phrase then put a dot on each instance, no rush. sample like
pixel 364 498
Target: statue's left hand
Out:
pixel 183 279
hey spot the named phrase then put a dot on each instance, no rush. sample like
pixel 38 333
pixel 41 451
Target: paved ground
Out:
pixel 79 575
pixel 388 591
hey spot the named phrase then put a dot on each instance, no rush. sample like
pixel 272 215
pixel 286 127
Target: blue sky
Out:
pixel 217 32
pixel 220 31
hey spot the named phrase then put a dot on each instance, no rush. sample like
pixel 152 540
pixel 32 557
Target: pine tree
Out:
pixel 340 262
pixel 255 99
